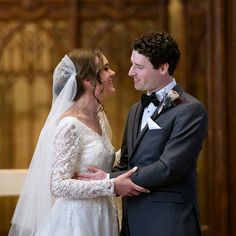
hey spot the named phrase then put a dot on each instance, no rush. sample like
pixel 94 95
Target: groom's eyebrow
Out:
pixel 139 65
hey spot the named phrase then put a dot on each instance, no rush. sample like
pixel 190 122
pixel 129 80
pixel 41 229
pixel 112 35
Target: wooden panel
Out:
pixel 208 48
pixel 218 132
pixel 231 109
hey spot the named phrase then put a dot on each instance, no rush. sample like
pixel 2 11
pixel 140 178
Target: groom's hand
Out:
pixel 94 174
pixel 125 187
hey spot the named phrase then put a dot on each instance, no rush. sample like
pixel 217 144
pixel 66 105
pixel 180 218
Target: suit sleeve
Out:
pixel 181 150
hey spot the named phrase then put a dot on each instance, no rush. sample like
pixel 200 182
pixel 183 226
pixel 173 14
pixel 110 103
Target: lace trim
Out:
pixel 67 145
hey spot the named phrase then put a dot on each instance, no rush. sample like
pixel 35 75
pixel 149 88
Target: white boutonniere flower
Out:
pixel 171 99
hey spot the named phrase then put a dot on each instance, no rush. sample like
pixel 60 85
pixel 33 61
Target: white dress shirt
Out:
pixel 148 111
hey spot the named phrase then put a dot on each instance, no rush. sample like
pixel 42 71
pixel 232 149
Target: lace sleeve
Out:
pixel 65 153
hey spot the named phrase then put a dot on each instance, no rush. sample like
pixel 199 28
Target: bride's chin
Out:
pixel 112 90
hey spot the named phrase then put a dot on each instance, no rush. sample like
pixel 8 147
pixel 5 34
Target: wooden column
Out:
pixel 231 103
pixel 218 152
pixel 177 28
pixel 164 5
pixel 76 34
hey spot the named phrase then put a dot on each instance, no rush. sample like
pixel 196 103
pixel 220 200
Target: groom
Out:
pixel 163 137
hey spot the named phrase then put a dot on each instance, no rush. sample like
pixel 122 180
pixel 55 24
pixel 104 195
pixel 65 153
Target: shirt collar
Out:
pixel 162 92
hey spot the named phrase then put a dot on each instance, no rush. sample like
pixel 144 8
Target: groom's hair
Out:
pixel 160 48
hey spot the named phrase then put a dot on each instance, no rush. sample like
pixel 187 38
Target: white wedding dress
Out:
pixel 81 208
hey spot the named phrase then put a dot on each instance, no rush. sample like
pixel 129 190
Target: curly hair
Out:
pixel 160 48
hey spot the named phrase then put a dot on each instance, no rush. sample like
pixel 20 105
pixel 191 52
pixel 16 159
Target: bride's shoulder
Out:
pixel 68 119
pixel 68 123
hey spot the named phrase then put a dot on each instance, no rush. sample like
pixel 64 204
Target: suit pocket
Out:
pixel 174 197
pixel 157 131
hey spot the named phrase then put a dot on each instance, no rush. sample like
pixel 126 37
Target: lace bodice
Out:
pixel 76 146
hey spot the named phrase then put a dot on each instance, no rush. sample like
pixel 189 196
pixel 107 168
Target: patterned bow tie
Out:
pixel 147 99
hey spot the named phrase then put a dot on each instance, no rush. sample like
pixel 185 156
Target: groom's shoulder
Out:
pixel 188 100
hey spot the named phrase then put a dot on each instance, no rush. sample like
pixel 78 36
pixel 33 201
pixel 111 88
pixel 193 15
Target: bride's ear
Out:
pixel 87 84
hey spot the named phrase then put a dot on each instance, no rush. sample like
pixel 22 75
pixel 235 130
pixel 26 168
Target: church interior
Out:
pixel 36 34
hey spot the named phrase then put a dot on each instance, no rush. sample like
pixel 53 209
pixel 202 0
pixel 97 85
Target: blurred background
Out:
pixel 35 35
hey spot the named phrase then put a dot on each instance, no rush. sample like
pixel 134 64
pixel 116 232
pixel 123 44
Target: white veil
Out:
pixel 35 200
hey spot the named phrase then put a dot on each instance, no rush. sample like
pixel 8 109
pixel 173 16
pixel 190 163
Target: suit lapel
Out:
pixel 133 127
pixel 136 125
pixel 138 136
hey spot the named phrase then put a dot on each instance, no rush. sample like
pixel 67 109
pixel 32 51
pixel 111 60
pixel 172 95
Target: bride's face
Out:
pixel 106 75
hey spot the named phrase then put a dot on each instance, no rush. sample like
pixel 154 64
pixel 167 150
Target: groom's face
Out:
pixel 145 77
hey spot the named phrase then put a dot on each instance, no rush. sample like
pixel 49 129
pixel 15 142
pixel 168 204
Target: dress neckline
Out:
pixel 86 126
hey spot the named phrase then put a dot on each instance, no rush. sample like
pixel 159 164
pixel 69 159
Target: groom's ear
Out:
pixel 164 68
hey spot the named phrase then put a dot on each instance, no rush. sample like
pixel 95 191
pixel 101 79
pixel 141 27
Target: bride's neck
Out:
pixel 88 107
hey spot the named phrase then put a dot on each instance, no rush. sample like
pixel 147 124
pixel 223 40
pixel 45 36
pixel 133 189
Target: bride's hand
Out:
pixel 94 174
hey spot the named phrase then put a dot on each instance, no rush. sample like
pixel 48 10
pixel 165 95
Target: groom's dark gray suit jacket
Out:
pixel 166 160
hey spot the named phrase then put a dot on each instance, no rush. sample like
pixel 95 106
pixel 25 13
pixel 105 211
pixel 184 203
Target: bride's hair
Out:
pixel 87 63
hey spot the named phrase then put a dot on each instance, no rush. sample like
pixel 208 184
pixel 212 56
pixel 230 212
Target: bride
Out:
pixel 76 135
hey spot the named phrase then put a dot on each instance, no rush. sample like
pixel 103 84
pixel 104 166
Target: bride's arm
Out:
pixel 96 173
pixel 67 144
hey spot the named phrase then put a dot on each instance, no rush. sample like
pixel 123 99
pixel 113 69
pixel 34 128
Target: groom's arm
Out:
pixel 181 150
pixel 123 185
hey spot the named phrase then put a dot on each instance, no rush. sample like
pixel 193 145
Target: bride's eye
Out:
pixel 106 67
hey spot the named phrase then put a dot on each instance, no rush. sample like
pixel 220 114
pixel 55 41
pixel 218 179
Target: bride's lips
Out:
pixel 110 82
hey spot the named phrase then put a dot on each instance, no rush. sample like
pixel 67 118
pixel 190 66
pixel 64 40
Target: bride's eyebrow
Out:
pixel 105 65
